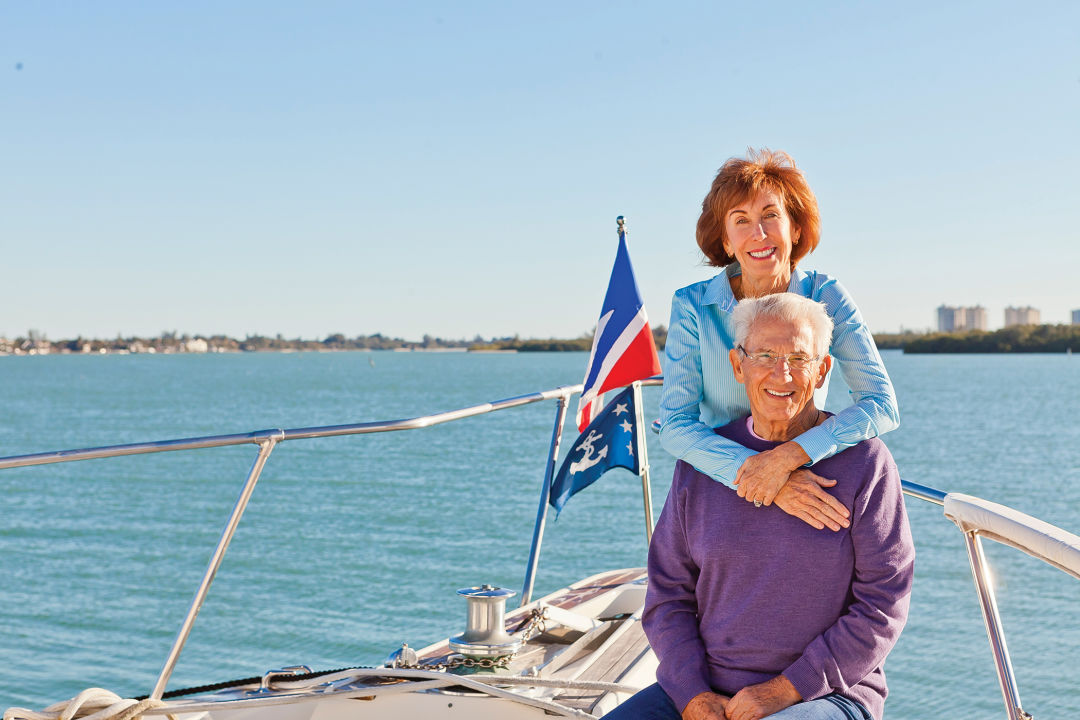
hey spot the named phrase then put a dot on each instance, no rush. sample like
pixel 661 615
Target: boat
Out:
pixel 577 652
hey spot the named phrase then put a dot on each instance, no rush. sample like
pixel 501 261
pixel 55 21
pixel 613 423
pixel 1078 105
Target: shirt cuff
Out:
pixel 739 455
pixel 809 682
pixel 818 444
pixel 684 690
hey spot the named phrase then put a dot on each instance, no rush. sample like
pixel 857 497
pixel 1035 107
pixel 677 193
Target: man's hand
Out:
pixel 803 497
pixel 762 475
pixel 761 700
pixel 706 706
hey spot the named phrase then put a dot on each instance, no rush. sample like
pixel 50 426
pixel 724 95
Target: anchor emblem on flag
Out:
pixel 587 460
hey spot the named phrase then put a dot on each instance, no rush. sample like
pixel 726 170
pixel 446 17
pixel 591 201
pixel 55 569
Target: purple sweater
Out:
pixel 738 594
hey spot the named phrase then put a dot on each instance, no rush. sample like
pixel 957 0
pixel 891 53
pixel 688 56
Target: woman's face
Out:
pixel 759 235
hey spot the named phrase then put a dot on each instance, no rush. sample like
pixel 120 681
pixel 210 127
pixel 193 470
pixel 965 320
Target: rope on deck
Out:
pixel 90 704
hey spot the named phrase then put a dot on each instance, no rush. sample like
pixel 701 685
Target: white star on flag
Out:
pixel 626 425
pixel 621 408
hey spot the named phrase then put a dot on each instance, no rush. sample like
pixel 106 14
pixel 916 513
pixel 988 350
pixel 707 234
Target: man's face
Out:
pixel 780 371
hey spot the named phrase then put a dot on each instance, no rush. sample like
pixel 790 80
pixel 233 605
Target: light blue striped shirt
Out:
pixel 694 401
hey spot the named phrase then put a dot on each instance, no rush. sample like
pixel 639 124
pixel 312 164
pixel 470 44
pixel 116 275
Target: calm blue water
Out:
pixel 353 545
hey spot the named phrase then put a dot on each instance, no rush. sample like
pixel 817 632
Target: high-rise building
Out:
pixel 976 318
pixel 955 319
pixel 1021 316
pixel 1076 317
pixel 946 318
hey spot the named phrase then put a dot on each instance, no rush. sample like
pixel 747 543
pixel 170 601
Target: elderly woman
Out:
pixel 751 612
pixel 758 220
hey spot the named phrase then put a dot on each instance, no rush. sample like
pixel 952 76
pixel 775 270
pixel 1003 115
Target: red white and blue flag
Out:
pixel 623 349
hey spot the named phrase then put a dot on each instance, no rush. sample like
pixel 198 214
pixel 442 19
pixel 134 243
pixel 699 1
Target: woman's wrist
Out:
pixel 793 455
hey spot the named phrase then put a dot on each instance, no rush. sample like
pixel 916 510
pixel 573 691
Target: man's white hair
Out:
pixel 786 307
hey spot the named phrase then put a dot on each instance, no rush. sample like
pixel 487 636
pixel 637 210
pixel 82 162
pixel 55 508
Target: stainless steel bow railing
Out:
pixel 976 518
pixel 268 439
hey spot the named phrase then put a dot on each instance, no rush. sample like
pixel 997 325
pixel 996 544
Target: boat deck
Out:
pixel 608 653
pixel 590 655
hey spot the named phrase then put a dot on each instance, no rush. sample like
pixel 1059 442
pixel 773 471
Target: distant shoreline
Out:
pixel 1017 339
pixel 168 343
pixel 171 344
pixel 282 351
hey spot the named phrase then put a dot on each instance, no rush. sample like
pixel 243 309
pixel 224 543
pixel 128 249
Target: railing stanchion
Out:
pixel 545 496
pixel 215 562
pixel 992 619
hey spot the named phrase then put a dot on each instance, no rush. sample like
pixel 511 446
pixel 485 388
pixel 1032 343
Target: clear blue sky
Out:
pixel 456 168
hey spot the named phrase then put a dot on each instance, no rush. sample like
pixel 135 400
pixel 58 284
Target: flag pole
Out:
pixel 643 461
pixel 640 446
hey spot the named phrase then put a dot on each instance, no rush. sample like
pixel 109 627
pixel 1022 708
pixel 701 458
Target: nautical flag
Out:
pixel 609 441
pixel 623 349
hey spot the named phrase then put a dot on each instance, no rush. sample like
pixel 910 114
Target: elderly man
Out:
pixel 752 612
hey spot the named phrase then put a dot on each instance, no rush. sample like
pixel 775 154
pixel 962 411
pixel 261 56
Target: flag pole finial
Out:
pixel 621 223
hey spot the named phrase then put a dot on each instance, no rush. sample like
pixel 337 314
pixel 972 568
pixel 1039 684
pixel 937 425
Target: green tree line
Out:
pixel 1015 339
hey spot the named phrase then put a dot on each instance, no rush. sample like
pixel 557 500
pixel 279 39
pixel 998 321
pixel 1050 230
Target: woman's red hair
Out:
pixel 740 179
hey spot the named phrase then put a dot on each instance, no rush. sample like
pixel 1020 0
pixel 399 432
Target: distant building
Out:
pixel 1021 316
pixel 976 318
pixel 1076 317
pixel 957 319
pixel 196 345
pixel 948 318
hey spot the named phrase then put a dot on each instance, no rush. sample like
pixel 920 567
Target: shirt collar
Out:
pixel 718 292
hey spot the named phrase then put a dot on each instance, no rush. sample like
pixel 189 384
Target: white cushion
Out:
pixel 1039 539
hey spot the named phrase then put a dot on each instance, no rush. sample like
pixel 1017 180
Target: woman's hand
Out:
pixel 706 706
pixel 761 700
pixel 802 496
pixel 762 475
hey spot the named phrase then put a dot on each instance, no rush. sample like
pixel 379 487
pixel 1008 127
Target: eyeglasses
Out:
pixel 795 361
